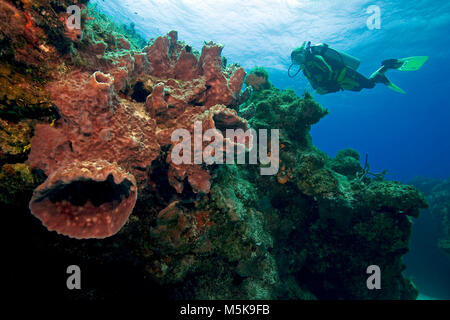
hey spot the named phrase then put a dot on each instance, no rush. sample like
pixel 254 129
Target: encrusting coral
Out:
pixel 97 151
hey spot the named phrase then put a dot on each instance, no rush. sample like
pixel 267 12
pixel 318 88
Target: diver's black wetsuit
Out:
pixel 329 70
pixel 330 74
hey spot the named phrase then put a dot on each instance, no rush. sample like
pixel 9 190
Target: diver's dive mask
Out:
pixel 298 57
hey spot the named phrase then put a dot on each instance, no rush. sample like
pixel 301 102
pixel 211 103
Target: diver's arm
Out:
pixel 323 65
pixel 319 73
pixel 319 69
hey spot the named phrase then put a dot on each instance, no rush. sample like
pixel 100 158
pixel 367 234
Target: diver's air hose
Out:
pixel 289 71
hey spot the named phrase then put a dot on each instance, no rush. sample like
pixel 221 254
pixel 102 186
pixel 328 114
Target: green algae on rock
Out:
pixel 347 163
pixel 258 79
pixel 339 224
pixel 282 109
pixel 17 182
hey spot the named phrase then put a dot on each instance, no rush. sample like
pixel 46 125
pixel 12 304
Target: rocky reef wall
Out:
pixel 86 126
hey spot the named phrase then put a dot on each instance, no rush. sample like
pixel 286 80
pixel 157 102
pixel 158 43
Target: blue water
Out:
pixel 406 134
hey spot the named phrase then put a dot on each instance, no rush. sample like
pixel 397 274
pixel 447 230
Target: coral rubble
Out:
pixel 87 124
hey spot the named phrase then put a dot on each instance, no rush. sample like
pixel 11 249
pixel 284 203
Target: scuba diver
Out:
pixel 329 70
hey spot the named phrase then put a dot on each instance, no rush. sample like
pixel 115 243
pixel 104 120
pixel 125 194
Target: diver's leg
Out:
pixel 354 81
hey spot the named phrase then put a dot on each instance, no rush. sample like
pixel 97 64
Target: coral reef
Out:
pixel 86 126
pixel 258 79
pixel 96 123
pixel 327 223
pixel 16 182
pixel 347 163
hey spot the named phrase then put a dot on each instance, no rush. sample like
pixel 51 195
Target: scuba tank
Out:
pixel 336 56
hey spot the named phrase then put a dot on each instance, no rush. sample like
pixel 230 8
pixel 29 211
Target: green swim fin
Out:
pixel 412 63
pixel 394 87
pixel 379 77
